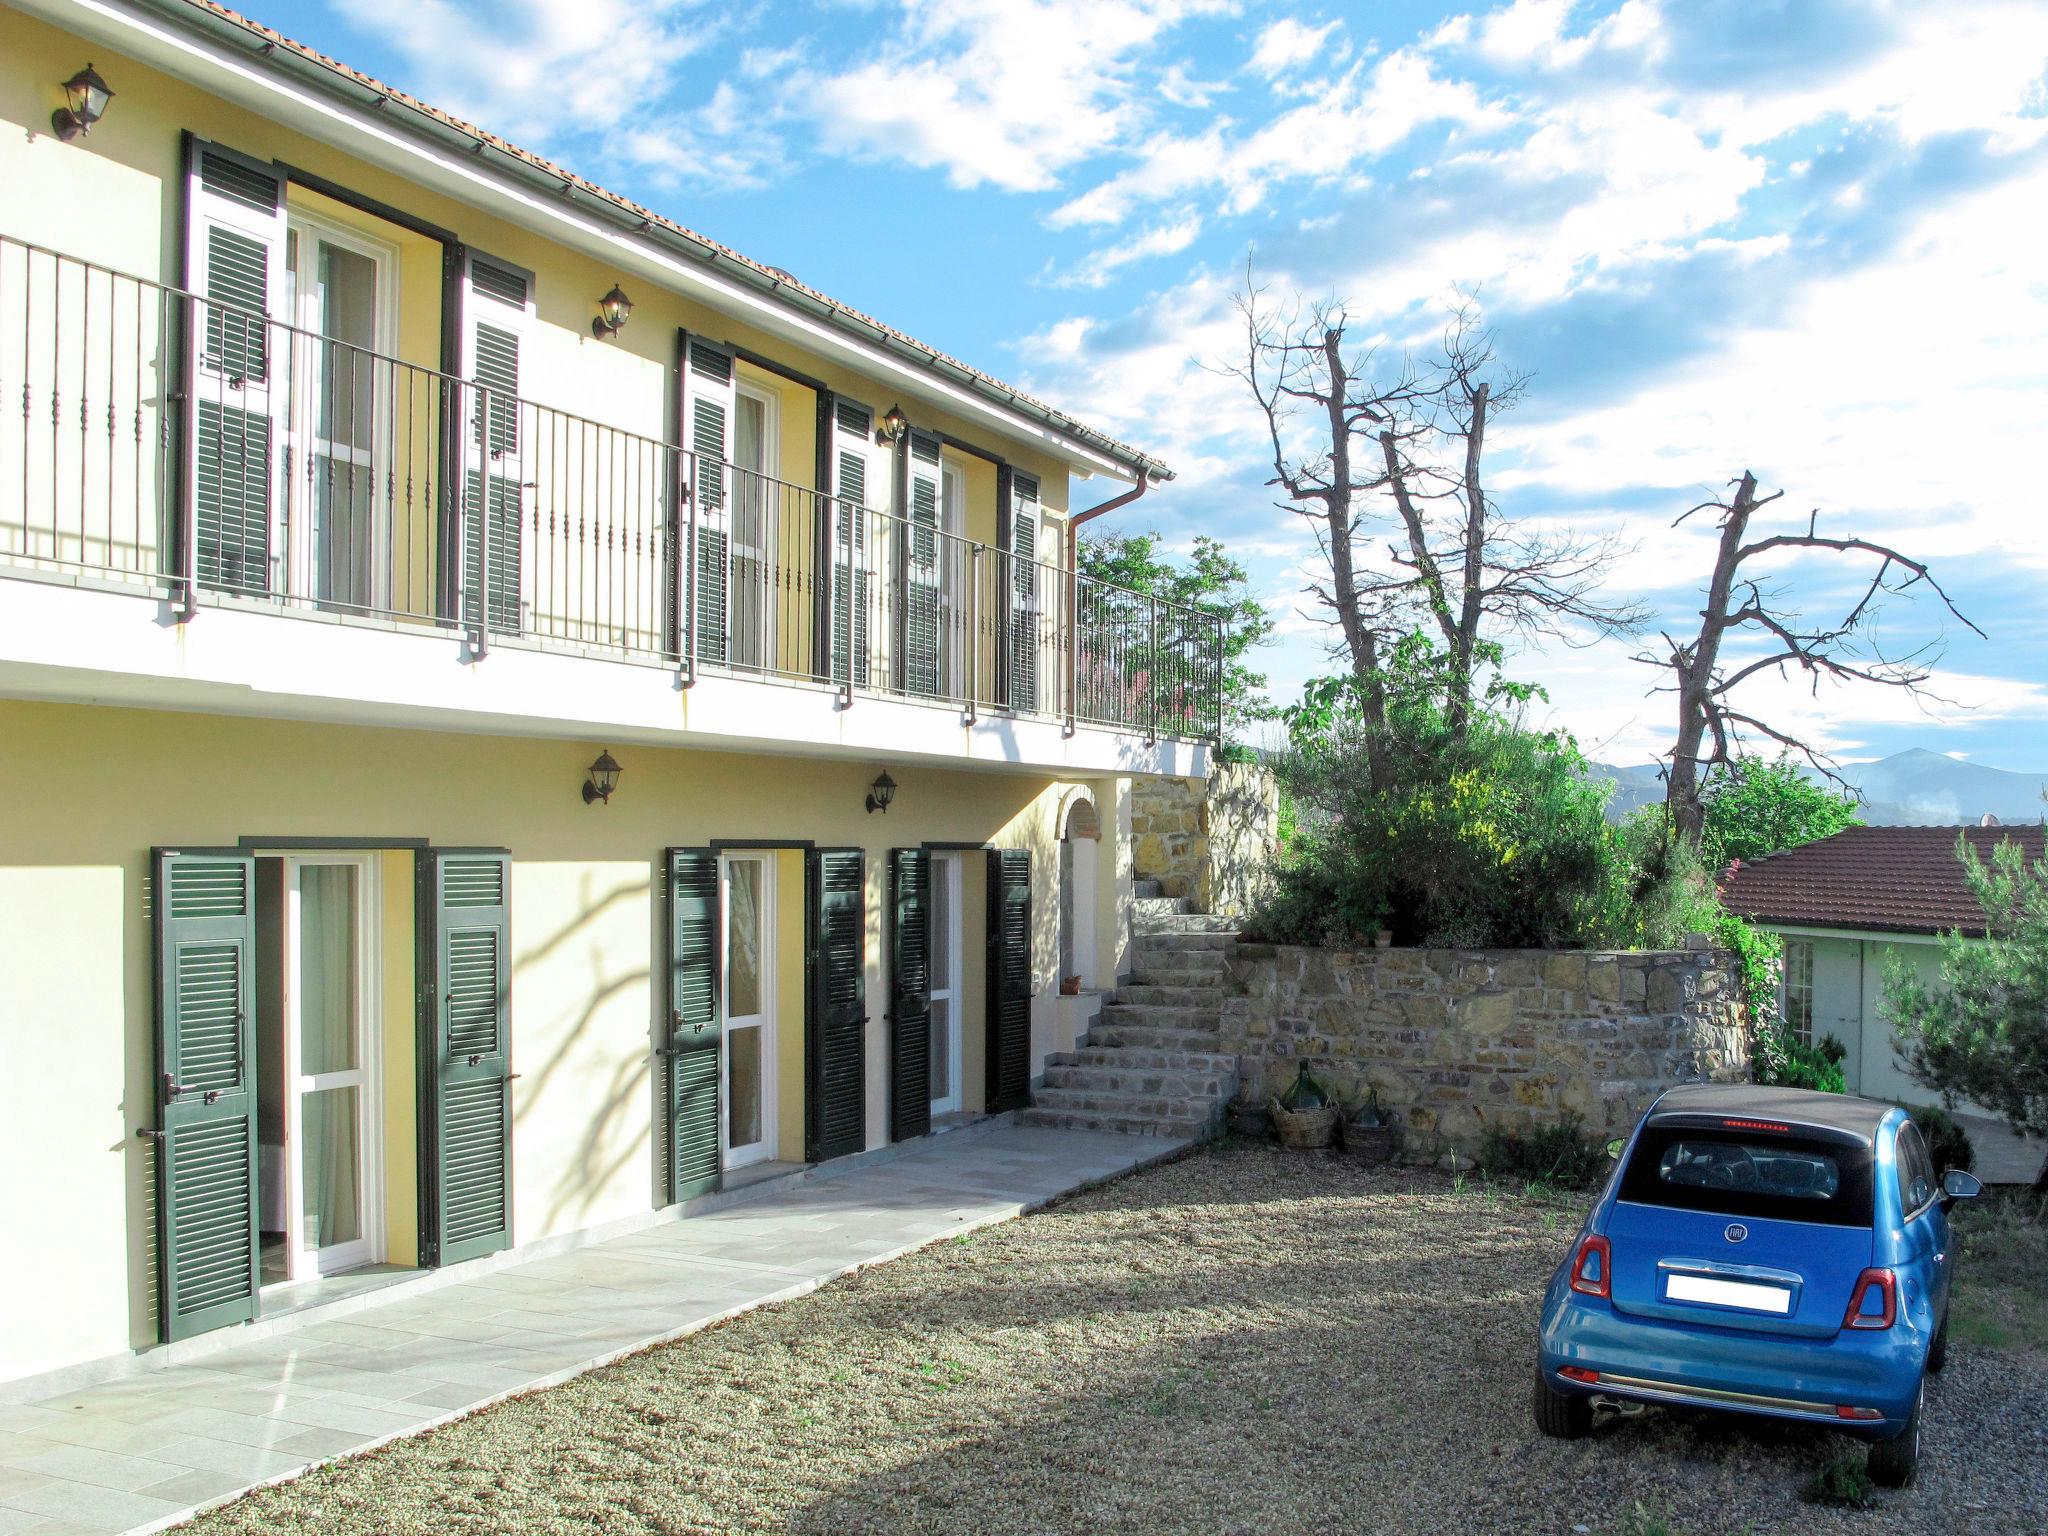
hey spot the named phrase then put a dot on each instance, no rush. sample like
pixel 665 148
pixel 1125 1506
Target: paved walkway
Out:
pixel 144 1452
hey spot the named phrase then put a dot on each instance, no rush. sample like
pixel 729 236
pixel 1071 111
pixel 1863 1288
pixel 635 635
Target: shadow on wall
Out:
pixel 584 1079
pixel 1212 841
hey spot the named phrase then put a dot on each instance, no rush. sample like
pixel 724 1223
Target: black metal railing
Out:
pixel 150 435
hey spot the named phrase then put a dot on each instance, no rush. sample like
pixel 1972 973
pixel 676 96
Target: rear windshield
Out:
pixel 1733 1173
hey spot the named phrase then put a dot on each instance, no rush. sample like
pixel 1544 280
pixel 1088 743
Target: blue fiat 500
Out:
pixel 1764 1251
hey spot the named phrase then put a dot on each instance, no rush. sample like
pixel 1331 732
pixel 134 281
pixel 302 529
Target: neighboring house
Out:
pixel 1847 906
pixel 342 529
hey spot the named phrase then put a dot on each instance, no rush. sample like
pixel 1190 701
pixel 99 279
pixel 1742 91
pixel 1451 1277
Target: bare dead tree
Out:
pixel 1712 727
pixel 1399 455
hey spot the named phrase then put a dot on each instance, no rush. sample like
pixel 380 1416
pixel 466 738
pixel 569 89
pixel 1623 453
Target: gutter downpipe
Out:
pixel 1074 578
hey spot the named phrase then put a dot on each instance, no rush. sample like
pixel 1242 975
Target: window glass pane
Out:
pixel 333 1205
pixel 743 1096
pixel 1916 1170
pixel 743 938
pixel 942 1049
pixel 941 925
pixel 327 969
pixel 1799 989
pixel 1789 1178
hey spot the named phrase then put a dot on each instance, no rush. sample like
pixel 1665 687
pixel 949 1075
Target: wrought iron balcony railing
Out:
pixel 149 435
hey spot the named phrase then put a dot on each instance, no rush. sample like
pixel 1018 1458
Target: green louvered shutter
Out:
pixel 236 388
pixel 691 1056
pixel 204 909
pixel 709 403
pixel 467 898
pixel 1009 978
pixel 838 1055
pixel 1026 582
pixel 921 569
pixel 852 561
pixel 910 993
pixel 499 304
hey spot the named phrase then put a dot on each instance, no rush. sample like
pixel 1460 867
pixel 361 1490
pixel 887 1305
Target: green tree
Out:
pixel 1759 806
pixel 1208 579
pixel 1982 1034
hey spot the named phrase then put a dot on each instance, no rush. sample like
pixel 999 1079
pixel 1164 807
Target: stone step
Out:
pixel 1147 908
pixel 1183 1116
pixel 1173 994
pixel 1135 1058
pixel 1122 1124
pixel 1204 1015
pixel 1151 1037
pixel 1177 968
pixel 1141 1082
pixel 1150 924
pixel 1155 943
pixel 1144 889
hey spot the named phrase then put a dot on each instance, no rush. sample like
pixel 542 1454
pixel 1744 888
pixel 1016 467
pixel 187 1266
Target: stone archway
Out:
pixel 1080 838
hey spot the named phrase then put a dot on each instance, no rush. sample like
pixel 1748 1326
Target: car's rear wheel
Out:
pixel 1895 1463
pixel 1937 1352
pixel 1560 1415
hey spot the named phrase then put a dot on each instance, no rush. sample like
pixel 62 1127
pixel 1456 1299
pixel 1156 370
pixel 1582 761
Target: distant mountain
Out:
pixel 1916 788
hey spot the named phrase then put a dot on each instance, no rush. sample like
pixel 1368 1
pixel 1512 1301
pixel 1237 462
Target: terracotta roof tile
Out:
pixel 273 40
pixel 1885 879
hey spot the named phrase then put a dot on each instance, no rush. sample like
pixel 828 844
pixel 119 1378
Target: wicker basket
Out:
pixel 1369 1144
pixel 1303 1127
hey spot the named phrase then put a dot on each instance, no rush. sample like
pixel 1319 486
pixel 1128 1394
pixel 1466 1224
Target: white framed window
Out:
pixel 1796 1003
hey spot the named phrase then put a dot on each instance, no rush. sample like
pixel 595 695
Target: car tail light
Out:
pixel 1593 1267
pixel 1845 1411
pixel 1579 1373
pixel 1873 1285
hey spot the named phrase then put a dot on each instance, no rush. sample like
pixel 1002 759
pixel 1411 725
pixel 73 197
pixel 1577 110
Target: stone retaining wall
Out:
pixel 1457 1040
pixel 1208 841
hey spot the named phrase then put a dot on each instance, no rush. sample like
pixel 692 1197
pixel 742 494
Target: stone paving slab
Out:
pixel 145 1452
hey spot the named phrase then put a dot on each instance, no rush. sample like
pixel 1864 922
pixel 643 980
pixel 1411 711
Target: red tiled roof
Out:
pixel 271 43
pixel 1886 879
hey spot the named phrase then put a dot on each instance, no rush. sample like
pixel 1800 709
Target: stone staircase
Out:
pixel 1153 1064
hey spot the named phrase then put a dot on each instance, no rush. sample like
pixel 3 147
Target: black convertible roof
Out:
pixel 1841 1112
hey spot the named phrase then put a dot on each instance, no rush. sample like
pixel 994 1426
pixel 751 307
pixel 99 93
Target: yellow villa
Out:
pixel 514 717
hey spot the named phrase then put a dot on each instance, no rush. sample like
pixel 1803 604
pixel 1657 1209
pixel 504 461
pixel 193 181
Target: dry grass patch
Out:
pixel 1243 1341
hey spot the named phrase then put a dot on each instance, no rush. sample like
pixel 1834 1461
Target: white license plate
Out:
pixel 1730 1293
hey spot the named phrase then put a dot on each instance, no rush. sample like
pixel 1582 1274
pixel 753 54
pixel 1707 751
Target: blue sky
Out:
pixel 1800 238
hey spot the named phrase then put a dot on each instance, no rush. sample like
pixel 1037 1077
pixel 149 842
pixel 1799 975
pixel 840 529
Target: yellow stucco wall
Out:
pixel 76 995
pixel 129 172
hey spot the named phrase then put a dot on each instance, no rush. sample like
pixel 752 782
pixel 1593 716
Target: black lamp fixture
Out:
pixel 604 778
pixel 613 311
pixel 894 425
pixel 88 96
pixel 880 793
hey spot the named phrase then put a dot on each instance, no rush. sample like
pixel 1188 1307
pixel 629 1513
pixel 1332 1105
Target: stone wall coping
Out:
pixel 1252 949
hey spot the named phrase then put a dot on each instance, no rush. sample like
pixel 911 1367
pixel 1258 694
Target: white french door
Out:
pixel 953 579
pixel 747 1063
pixel 753 531
pixel 333 1121
pixel 946 983
pixel 341 295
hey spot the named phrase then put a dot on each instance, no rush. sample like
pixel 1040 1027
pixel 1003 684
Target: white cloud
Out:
pixel 1161 240
pixel 1009 93
pixel 1286 43
pixel 1351 120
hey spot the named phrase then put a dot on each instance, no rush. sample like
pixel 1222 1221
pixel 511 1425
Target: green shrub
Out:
pixel 1563 1154
pixel 1947 1141
pixel 1841 1484
pixel 1485 836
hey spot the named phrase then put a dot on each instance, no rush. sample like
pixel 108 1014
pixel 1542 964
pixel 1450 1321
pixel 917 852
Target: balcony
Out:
pixel 154 441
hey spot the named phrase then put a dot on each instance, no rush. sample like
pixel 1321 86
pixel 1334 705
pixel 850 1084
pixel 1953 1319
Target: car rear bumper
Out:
pixel 1734 1370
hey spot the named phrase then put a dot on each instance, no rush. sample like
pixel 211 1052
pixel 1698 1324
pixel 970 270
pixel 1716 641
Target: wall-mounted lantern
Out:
pixel 613 311
pixel 880 793
pixel 88 96
pixel 604 778
pixel 894 425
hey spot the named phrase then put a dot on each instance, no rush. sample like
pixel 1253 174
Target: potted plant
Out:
pixel 1070 986
pixel 1303 1116
pixel 1368 1130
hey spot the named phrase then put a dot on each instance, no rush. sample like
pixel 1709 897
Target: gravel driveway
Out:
pixel 1247 1340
